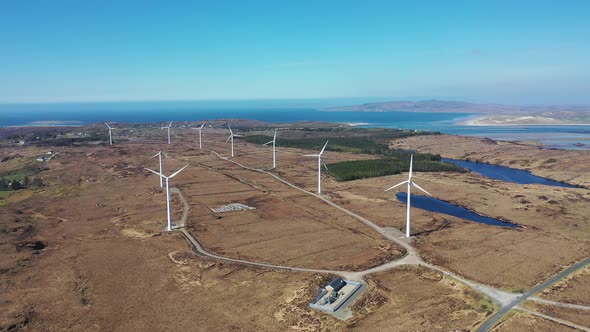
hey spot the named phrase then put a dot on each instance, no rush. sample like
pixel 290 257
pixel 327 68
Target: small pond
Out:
pixel 436 205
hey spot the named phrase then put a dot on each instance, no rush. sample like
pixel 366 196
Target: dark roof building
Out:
pixel 337 284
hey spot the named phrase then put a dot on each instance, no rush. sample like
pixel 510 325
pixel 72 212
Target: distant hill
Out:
pixel 444 106
pixel 490 114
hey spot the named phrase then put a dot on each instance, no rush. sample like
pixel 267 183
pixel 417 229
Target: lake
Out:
pixel 435 205
pixel 507 174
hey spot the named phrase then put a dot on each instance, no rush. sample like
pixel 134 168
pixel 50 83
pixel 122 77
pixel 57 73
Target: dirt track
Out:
pixel 506 300
pixel 88 237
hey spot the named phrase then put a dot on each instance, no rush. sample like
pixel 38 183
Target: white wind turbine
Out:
pixel 168 127
pixel 168 212
pixel 274 151
pixel 110 133
pixel 410 184
pixel 231 137
pixel 159 154
pixel 200 129
pixel 319 155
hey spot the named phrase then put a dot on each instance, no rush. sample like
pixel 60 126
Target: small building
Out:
pixel 336 295
pixel 335 285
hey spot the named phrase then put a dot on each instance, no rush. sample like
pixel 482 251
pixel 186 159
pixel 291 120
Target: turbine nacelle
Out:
pixel 274 145
pixel 320 164
pixel 231 137
pixel 162 176
pixel 110 133
pixel 159 154
pixel 410 184
pixel 274 139
pixel 200 129
pixel 168 127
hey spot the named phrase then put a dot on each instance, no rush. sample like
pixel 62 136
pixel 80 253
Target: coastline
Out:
pixel 479 121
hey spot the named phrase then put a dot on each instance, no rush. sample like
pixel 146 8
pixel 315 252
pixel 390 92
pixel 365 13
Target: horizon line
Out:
pixel 387 98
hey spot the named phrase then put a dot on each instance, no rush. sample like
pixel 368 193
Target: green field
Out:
pixel 24 175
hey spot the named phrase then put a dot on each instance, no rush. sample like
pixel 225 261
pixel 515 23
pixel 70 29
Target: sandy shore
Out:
pixel 511 120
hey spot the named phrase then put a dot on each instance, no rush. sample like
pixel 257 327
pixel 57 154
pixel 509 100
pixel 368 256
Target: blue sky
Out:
pixel 531 52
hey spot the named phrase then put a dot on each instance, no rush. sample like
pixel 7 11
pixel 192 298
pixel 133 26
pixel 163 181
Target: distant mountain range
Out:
pixel 491 114
pixel 453 107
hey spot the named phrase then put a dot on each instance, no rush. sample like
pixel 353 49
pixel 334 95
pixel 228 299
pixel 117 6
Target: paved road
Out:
pixel 508 301
pixel 548 283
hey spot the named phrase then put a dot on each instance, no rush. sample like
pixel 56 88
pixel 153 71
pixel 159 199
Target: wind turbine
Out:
pixel 168 212
pixel 169 126
pixel 274 151
pixel 159 154
pixel 110 133
pixel 319 155
pixel 410 184
pixel 200 129
pixel 231 137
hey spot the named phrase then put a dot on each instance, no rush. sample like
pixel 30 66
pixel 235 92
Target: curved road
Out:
pixel 508 301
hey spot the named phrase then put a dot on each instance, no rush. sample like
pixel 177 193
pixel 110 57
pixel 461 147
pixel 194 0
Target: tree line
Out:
pixel 360 169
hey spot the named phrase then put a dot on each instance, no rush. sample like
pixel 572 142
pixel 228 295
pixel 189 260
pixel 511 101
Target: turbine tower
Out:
pixel 319 155
pixel 274 151
pixel 231 137
pixel 168 127
pixel 200 129
pixel 410 184
pixel 110 133
pixel 168 212
pixel 159 154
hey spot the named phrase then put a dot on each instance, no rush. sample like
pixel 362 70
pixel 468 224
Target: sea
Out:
pixel 550 136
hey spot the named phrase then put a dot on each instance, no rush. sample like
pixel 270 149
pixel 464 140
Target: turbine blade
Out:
pixel 275 137
pixel 180 170
pixel 227 140
pixel 411 163
pixel 267 143
pixel 417 186
pixel 202 125
pixel 397 185
pixel 157 154
pixel 157 173
pixel 323 148
pixel 326 167
pixel 311 155
pixel 107 125
pixel 170 125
